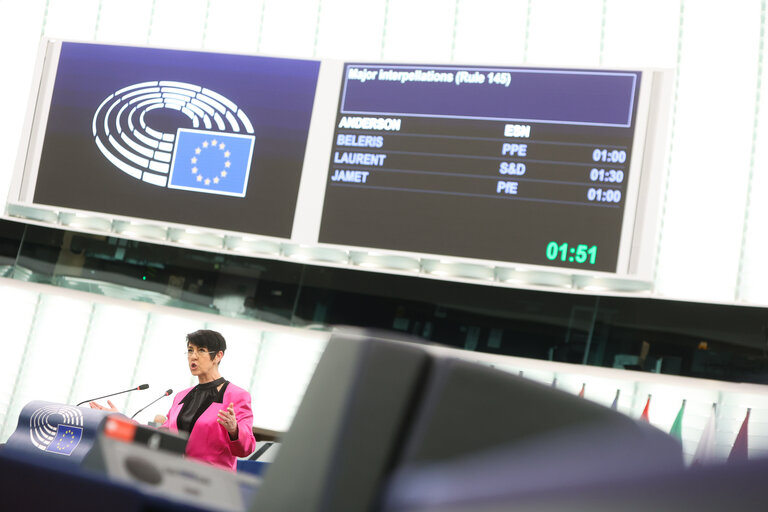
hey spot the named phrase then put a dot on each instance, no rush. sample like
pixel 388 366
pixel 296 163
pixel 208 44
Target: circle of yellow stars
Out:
pixel 214 144
pixel 66 440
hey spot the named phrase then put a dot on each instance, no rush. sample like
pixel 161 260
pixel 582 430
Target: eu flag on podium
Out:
pixel 211 162
pixel 66 440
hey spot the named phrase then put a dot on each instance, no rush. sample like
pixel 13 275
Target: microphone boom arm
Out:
pixel 137 388
pixel 168 392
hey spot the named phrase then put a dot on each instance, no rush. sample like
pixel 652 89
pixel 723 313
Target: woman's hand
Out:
pixel 111 407
pixel 228 420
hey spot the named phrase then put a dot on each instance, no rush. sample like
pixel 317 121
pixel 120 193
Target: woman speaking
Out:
pixel 215 414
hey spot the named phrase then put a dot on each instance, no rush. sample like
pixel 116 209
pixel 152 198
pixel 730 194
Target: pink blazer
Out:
pixel 209 442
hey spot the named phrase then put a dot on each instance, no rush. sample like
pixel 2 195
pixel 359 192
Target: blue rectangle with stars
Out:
pixel 66 440
pixel 211 162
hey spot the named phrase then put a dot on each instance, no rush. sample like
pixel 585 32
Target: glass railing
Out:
pixel 726 342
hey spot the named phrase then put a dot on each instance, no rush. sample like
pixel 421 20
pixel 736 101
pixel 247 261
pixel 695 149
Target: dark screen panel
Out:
pixel 194 138
pixel 510 164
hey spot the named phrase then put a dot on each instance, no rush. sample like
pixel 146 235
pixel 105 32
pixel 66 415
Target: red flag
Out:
pixel 581 393
pixel 645 416
pixel 739 450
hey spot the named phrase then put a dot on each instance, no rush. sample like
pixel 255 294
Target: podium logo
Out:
pixel 213 156
pixel 66 440
pixel 56 429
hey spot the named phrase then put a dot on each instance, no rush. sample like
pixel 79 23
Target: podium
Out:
pixel 74 448
pixel 49 429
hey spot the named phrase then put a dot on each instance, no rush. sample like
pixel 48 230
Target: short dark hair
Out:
pixel 205 338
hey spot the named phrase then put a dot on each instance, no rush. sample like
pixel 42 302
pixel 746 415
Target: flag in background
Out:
pixel 615 404
pixel 677 426
pixel 705 451
pixel 645 416
pixel 211 162
pixel 740 448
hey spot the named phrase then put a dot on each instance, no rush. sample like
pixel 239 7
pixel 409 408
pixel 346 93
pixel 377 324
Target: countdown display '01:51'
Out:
pixel 581 253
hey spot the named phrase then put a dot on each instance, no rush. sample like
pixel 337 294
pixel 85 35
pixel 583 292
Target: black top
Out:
pixel 197 401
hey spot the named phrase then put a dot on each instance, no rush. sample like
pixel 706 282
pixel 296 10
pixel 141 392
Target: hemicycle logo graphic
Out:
pixel 214 156
pixel 56 428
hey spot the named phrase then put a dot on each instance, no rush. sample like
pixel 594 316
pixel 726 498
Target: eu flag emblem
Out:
pixel 66 440
pixel 211 162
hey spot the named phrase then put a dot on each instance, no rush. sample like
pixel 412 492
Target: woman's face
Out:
pixel 200 359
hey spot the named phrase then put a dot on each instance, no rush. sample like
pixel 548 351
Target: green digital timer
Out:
pixel 581 253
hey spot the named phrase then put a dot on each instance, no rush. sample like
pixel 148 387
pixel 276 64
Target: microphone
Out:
pixel 143 386
pixel 167 392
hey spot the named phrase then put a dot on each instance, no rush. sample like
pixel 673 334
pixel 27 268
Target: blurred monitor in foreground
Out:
pixel 377 413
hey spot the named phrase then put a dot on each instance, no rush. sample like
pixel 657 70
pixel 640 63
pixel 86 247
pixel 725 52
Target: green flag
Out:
pixel 677 427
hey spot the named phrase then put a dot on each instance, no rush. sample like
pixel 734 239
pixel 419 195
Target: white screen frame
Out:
pixel 637 249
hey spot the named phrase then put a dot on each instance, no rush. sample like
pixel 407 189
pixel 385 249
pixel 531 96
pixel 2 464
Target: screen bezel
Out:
pixel 639 228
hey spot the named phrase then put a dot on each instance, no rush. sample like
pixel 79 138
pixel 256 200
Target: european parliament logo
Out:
pixel 56 429
pixel 212 162
pixel 212 156
pixel 66 440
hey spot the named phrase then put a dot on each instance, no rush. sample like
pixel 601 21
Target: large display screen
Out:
pixel 194 138
pixel 511 164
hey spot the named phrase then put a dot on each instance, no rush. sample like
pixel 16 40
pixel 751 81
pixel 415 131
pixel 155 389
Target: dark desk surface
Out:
pixel 264 434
